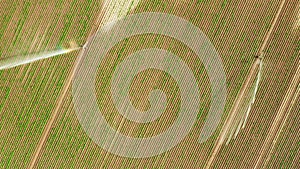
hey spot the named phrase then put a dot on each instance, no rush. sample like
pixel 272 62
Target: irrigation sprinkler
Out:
pixel 15 61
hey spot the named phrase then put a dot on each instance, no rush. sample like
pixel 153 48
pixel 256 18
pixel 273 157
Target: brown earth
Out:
pixel 237 29
pixel 286 152
pixel 28 27
pixel 280 62
pixel 236 37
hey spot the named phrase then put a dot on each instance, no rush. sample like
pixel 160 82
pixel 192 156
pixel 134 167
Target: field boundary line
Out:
pixel 268 35
pixel 280 119
pixel 67 84
pixel 232 113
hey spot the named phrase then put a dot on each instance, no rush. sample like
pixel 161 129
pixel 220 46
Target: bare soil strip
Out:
pixel 267 37
pixel 233 113
pixel 64 91
pixel 240 96
pixel 297 21
pixel 280 119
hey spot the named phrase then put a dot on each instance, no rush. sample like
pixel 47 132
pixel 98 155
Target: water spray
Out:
pixel 14 61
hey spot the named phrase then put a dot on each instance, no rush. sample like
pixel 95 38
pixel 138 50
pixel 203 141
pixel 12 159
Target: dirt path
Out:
pixel 240 96
pixel 108 12
pixel 297 21
pixel 280 119
pixel 64 91
pixel 267 37
pixel 233 111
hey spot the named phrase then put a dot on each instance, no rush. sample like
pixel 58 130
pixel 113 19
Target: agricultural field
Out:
pixel 38 124
pixel 30 92
pixel 281 62
pixel 286 151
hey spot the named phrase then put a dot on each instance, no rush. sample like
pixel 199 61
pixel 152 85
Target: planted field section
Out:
pixel 236 28
pixel 280 64
pixel 29 92
pixel 287 149
pixel 147 81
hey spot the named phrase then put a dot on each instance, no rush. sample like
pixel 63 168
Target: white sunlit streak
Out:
pixel 245 106
pixel 14 61
pixel 254 93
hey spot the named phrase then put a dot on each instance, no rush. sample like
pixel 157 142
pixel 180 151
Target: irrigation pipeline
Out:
pixel 257 61
pixel 280 119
